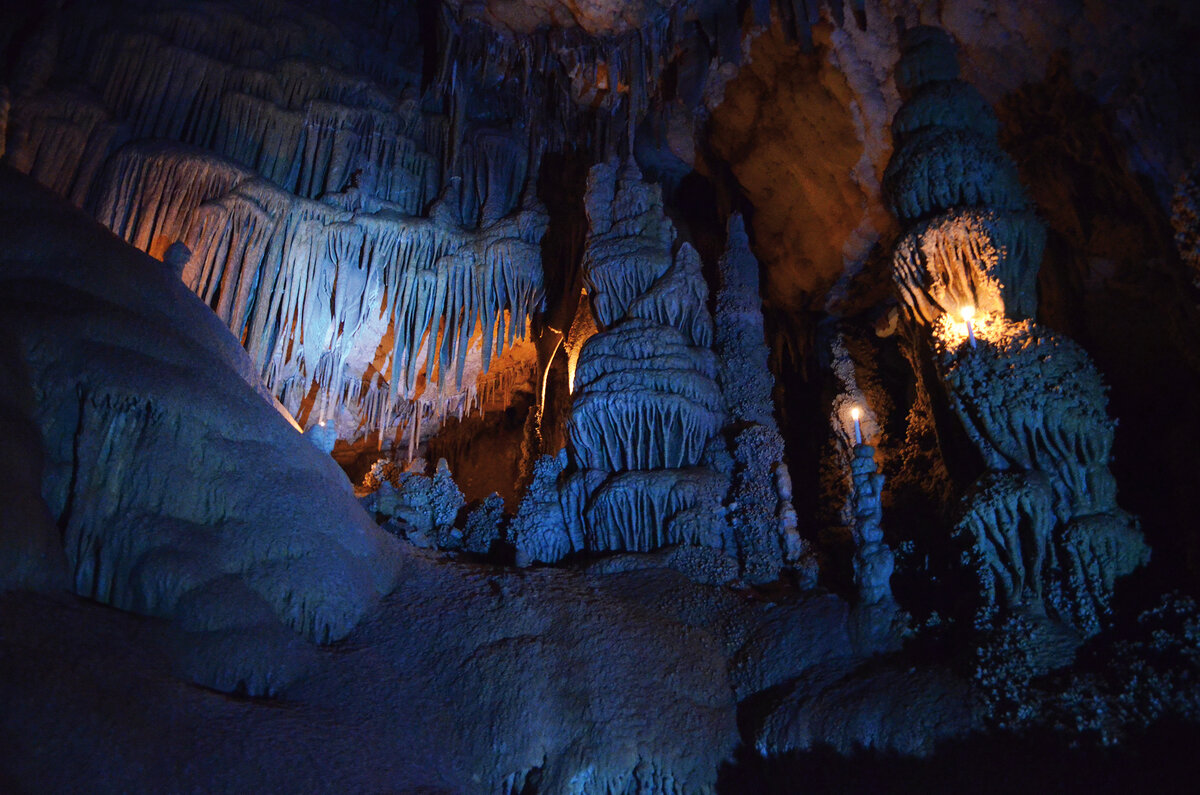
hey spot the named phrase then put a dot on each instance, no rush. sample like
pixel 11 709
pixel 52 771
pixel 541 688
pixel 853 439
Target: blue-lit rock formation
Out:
pixel 646 400
pixel 765 525
pixel 185 497
pixel 275 150
pixel 675 290
pixel 1043 526
pixel 155 434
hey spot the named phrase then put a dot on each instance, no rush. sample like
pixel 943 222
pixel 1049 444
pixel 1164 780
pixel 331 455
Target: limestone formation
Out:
pixel 248 125
pixel 1031 399
pixel 645 395
pixel 150 416
pixel 539 530
pixel 740 343
pixel 765 526
pixel 1044 531
pixel 275 266
pixel 337 224
pixel 644 399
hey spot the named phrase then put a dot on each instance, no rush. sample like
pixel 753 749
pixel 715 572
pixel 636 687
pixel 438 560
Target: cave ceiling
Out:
pixel 594 17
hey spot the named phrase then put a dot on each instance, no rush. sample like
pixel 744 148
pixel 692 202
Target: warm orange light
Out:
pixel 968 312
pixel 855 414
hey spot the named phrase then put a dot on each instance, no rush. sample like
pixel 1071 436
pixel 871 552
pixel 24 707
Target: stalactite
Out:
pixel 150 192
pixel 61 139
pixel 312 289
pixel 177 74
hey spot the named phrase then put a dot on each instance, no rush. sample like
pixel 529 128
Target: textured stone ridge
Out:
pixel 645 399
pixel 1045 533
pixel 150 420
pixel 1032 399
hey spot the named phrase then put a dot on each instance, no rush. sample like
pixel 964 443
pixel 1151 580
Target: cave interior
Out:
pixel 580 396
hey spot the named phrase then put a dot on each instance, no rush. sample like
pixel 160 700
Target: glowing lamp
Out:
pixel 856 415
pixel 968 312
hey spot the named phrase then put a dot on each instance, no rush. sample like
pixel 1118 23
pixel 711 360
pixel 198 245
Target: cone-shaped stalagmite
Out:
pixel 646 399
pixel 1043 524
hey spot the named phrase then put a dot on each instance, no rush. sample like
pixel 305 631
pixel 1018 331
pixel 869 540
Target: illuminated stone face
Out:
pixel 970 257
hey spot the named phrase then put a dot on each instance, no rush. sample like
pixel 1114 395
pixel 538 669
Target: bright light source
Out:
pixel 855 413
pixel 968 312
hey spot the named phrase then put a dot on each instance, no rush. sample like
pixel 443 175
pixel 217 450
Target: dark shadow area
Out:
pixel 1162 760
pixel 1111 279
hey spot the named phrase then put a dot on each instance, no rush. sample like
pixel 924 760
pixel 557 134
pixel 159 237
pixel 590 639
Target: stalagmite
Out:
pixel 644 399
pixel 1045 533
pixel 940 168
pixel 764 526
pixel 740 338
pixel 629 246
pixel 539 531
pixel 876 616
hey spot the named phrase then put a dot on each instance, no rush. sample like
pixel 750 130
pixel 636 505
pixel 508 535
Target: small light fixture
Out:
pixel 856 415
pixel 968 312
